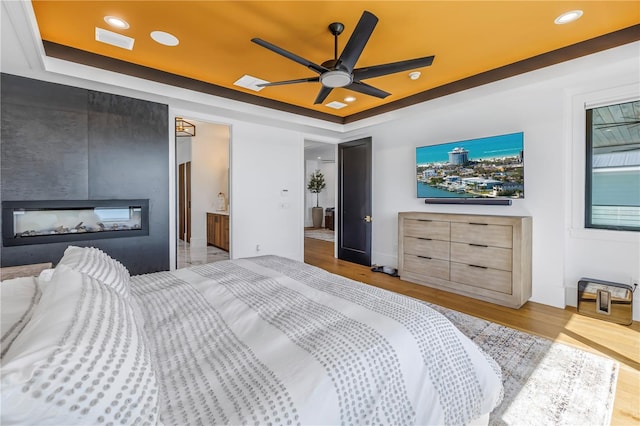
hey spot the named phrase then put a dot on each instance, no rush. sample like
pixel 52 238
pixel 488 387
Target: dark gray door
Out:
pixel 354 201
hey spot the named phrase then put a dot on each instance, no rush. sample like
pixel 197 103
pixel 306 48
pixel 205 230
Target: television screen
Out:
pixel 491 167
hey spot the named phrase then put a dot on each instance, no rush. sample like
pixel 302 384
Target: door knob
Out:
pixel 367 218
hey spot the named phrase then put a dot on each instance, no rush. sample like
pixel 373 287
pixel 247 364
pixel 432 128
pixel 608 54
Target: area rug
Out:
pixel 545 383
pixel 319 234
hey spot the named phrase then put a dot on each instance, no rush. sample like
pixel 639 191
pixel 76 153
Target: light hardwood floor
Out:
pixel 619 342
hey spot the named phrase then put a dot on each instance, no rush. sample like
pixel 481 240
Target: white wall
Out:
pixel 209 175
pixel 535 103
pixel 183 149
pixel 267 190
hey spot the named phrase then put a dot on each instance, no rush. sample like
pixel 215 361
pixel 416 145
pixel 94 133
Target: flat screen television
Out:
pixel 483 170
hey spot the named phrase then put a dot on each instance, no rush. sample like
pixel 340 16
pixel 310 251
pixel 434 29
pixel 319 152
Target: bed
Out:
pixel 264 340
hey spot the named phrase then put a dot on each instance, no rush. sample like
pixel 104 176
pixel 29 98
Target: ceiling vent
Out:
pixel 114 39
pixel 250 82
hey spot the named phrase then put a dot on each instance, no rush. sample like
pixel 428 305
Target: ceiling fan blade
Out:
pixel 361 87
pixel 391 68
pixel 298 80
pixel 358 40
pixel 322 94
pixel 302 61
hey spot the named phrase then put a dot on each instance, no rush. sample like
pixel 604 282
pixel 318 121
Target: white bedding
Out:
pixel 265 340
pixel 270 340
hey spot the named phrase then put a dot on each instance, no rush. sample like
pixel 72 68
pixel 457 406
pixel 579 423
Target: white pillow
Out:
pixel 44 277
pixel 99 265
pixel 81 359
pixel 18 298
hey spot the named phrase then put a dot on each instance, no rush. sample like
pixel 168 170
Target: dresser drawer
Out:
pixel 427 267
pixel 434 229
pixel 482 255
pixel 479 233
pixel 427 247
pixel 487 278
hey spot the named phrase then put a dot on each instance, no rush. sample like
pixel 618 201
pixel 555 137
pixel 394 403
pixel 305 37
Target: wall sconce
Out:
pixel 184 128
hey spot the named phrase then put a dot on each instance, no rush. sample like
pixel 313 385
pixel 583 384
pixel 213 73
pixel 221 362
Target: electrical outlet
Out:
pixel 257 248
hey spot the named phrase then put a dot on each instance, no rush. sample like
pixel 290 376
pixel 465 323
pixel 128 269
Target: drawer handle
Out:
pixel 476 223
pixel 478 266
pixel 425 239
pixel 424 220
pixel 424 257
pixel 478 245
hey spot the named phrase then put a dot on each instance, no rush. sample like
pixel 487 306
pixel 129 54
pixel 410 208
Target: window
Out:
pixel 613 167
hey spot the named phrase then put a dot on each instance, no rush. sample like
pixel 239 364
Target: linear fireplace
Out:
pixel 41 222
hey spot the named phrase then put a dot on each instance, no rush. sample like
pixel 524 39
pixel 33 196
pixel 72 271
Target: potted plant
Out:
pixel 316 185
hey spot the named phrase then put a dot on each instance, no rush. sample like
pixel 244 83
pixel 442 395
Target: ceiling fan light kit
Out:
pixel 336 78
pixel 340 71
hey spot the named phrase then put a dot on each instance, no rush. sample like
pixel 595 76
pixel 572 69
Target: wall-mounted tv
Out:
pixel 474 171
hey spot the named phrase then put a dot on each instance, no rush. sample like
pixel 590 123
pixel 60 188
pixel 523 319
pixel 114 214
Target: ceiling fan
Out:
pixel 340 71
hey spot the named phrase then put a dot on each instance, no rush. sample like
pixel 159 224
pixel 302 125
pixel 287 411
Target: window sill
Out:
pixel 605 235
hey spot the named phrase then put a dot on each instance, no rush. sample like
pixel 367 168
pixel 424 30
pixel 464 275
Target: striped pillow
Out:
pixel 99 265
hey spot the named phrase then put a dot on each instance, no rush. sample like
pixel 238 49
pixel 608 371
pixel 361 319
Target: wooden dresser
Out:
pixel 218 230
pixel 485 257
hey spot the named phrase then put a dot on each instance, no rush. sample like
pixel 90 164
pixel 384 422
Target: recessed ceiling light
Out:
pixel 164 38
pixel 414 75
pixel 336 105
pixel 350 99
pixel 567 17
pixel 116 22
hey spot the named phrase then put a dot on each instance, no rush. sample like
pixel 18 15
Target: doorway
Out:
pixel 320 157
pixel 202 180
pixel 354 201
pixel 184 201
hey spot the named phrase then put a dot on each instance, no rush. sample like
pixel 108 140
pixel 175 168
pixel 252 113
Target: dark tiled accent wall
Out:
pixel 65 143
pixel 44 140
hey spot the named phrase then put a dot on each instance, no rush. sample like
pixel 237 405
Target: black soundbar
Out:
pixel 483 201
